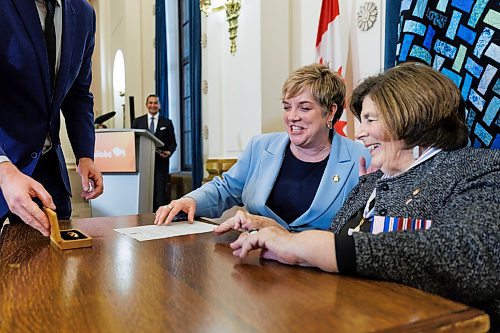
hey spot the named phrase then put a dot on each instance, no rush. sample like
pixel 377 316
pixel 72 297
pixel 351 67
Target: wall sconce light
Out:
pixel 206 7
pixel 232 8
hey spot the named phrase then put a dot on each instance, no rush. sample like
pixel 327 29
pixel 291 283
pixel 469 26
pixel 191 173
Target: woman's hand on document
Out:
pixel 166 214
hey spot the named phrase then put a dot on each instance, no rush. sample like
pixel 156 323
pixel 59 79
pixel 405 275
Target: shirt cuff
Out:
pixel 4 158
pixel 346 254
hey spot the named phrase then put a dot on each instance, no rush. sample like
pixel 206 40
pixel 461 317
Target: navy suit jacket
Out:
pixel 28 110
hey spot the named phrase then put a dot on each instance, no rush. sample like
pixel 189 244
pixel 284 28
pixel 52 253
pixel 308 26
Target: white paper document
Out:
pixel 149 232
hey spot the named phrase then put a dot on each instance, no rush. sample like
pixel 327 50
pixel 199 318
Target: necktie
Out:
pixel 50 39
pixel 152 125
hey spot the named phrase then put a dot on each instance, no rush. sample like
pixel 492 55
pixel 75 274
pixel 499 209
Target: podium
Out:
pixel 126 158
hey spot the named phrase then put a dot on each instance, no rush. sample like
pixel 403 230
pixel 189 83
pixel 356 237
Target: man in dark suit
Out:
pixel 45 66
pixel 163 129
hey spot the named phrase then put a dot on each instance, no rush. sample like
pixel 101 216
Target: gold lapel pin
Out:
pixel 416 191
pixel 336 178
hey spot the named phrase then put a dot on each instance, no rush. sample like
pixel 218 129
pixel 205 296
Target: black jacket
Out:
pixel 164 132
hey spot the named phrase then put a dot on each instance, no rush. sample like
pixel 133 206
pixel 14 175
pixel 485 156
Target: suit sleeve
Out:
pixel 78 103
pixel 135 123
pixel 171 143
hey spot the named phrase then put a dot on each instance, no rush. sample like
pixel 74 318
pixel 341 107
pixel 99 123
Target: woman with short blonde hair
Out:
pixel 297 179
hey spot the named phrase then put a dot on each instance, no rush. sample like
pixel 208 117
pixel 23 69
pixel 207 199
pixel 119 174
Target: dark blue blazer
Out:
pixel 28 110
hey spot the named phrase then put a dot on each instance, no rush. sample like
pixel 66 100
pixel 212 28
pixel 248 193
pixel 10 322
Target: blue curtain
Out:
pixel 391 32
pixel 195 54
pixel 161 57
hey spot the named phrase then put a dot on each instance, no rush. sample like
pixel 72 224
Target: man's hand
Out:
pixel 92 183
pixel 164 153
pixel 18 190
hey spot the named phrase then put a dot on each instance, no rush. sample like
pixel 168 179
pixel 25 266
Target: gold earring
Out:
pixel 329 124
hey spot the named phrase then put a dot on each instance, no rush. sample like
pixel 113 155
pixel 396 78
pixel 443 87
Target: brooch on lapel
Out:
pixel 414 194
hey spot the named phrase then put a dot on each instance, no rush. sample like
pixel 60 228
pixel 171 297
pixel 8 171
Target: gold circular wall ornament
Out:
pixel 203 41
pixel 204 132
pixel 204 87
pixel 367 16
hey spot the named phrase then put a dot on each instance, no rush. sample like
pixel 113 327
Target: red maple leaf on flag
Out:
pixel 340 127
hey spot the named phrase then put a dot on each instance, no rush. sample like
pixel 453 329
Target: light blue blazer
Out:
pixel 250 181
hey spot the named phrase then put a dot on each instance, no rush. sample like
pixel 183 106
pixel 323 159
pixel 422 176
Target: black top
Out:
pixel 295 187
pixel 344 244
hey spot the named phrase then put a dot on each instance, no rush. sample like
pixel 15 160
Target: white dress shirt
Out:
pixel 42 13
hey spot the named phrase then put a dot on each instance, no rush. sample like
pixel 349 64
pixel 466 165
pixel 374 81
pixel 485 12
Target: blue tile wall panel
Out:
pixel 461 39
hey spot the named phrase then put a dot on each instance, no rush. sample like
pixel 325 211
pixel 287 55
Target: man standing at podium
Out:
pixel 163 129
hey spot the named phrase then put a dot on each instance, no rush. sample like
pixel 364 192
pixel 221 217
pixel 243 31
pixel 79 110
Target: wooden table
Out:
pixel 194 284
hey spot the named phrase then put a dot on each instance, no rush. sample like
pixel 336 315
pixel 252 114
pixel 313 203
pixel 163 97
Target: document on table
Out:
pixel 150 232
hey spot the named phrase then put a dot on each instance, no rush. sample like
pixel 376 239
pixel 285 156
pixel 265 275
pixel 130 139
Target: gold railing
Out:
pixel 216 167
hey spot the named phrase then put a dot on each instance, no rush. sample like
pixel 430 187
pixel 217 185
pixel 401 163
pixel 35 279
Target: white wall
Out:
pixel 126 25
pixel 304 22
pixel 274 38
pixel 367 47
pixel 231 108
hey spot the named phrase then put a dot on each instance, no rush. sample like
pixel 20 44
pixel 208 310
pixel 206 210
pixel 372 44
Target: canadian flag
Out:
pixel 332 45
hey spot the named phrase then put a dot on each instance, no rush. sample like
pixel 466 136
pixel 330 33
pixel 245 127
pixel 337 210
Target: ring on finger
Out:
pixel 169 206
